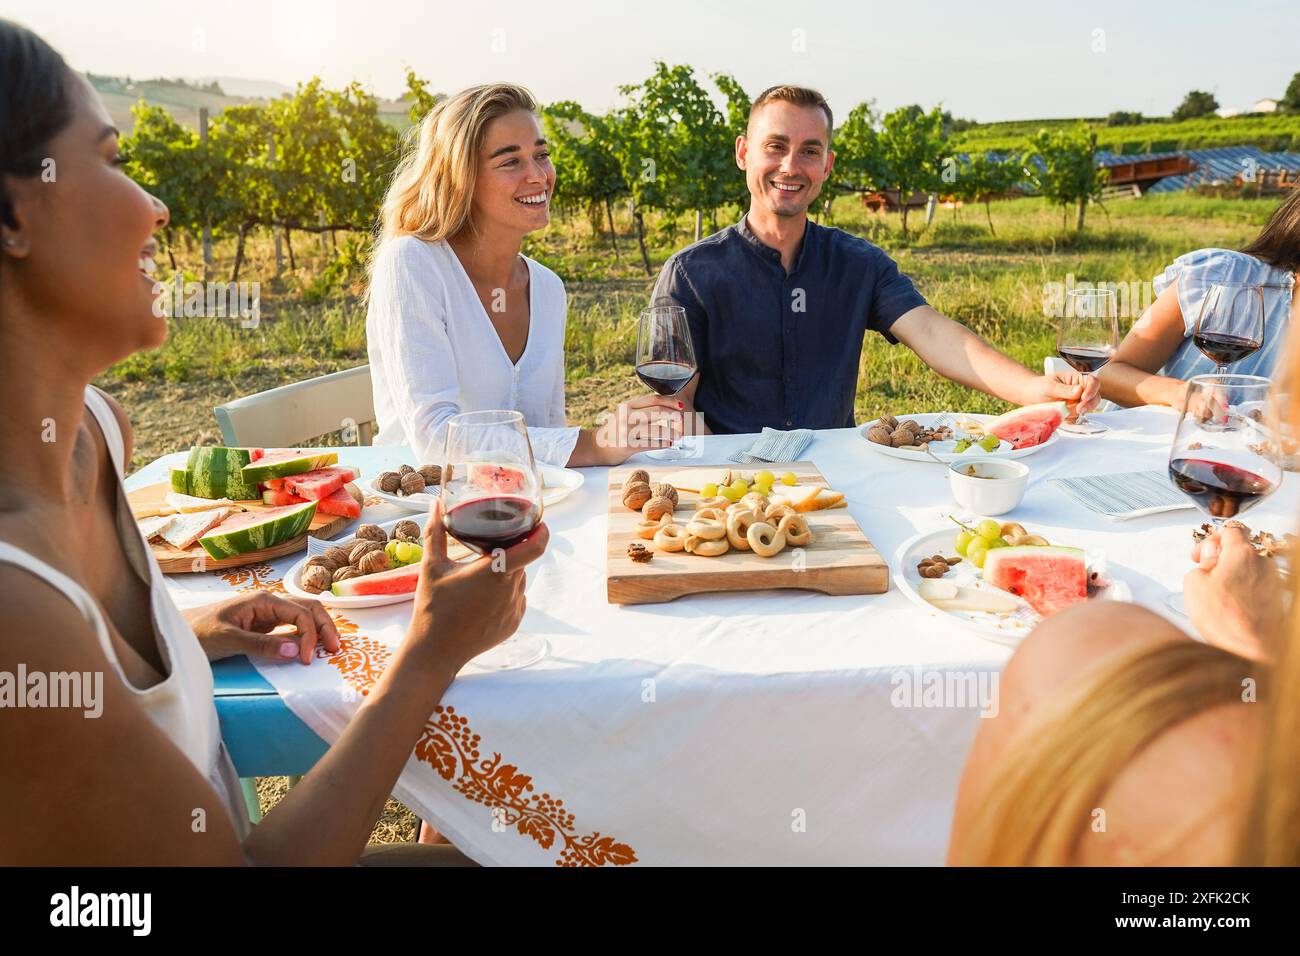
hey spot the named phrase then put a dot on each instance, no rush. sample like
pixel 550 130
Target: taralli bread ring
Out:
pixel 740 507
pixel 647 529
pixel 766 540
pixel 715 513
pixel 737 525
pixel 706 549
pixel 671 537
pixel 757 501
pixel 776 512
pixel 709 529
pixel 796 530
pixel 717 501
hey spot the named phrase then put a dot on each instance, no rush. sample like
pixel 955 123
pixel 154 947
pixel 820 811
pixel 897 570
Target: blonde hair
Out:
pixel 1037 804
pixel 432 192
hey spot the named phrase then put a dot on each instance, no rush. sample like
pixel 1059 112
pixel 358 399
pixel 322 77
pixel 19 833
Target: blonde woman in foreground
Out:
pixel 459 320
pixel 1121 741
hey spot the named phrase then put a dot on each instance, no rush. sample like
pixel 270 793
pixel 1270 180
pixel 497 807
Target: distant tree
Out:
pixel 981 178
pixel 859 159
pixel 911 152
pixel 1124 118
pixel 417 91
pixel 1291 98
pixel 1061 165
pixel 738 104
pixel 953 124
pixel 585 155
pixel 1196 103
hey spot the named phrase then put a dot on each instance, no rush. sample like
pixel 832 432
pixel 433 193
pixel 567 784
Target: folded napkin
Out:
pixel 1132 494
pixel 776 445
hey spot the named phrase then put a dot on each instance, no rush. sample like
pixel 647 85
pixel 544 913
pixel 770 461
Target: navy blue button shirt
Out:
pixel 777 349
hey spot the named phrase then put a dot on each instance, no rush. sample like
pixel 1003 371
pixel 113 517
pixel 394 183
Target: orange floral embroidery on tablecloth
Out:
pixel 449 745
pixel 253 577
pixel 371 501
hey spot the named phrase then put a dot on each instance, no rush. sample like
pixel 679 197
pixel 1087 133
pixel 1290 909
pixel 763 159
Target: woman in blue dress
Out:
pixel 1157 357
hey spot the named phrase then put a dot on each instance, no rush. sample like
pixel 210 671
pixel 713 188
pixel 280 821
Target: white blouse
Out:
pixel 434 352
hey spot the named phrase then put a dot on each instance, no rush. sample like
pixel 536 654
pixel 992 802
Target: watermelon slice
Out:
pixel 1029 426
pixel 215 472
pixel 273 484
pixel 1050 578
pixel 254 530
pixel 340 502
pixel 280 498
pixel 283 462
pixel 507 481
pixel 180 480
pixel 255 453
pixel 401 580
pixel 321 483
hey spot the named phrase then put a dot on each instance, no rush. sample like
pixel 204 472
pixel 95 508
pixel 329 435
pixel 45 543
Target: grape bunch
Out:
pixel 975 543
pixel 988 443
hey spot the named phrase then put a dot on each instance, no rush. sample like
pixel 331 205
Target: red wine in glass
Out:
pixel 1223 349
pixel 1085 359
pixel 1219 489
pixel 495 521
pixel 1231 323
pixel 665 378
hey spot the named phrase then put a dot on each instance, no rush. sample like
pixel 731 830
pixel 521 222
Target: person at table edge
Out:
pixel 778 305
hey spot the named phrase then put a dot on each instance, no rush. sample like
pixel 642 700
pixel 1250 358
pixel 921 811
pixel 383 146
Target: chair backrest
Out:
pixel 294 414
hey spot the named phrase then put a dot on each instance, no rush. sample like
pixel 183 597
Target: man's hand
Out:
pixel 641 424
pixel 1234 595
pixel 1080 392
pixel 243 625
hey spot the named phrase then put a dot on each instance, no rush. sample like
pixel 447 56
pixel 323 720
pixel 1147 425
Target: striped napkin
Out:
pixel 1132 494
pixel 775 445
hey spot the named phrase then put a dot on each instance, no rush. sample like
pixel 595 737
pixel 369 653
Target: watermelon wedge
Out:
pixel 273 484
pixel 180 480
pixel 283 462
pixel 254 530
pixel 340 502
pixel 321 483
pixel 401 580
pixel 498 478
pixel 1050 578
pixel 1029 426
pixel 280 498
pixel 214 471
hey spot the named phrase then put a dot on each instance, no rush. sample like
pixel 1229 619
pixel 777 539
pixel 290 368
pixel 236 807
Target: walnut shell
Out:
pixel 432 474
pixel 901 436
pixel 406 531
pixel 636 495
pixel 361 549
pixel 317 578
pixel 889 421
pixel 665 490
pixel 322 561
pixel 639 553
pixel 374 562
pixel 914 427
pixel 345 572
pixel 339 556
pixel 657 507
pixel 639 475
pixel 372 532
pixel 879 434
pixel 412 483
pixel 389 482
pixel 404 470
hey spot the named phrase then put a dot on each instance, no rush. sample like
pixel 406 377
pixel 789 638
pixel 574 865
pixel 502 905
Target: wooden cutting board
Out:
pixel 175 561
pixel 840 559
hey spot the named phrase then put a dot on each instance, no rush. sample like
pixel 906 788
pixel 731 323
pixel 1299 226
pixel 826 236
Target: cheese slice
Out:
pixel 154 525
pixel 805 498
pixel 185 529
pixel 187 504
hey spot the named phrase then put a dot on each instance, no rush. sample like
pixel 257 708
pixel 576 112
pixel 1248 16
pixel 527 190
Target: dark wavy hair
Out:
pixel 1278 243
pixel 35 104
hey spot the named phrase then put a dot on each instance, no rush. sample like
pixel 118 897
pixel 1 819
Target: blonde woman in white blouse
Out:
pixel 459 320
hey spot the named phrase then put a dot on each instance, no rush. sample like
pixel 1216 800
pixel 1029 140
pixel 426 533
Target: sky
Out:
pixel 985 60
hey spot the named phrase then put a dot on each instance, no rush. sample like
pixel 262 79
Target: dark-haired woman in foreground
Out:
pixel 82 592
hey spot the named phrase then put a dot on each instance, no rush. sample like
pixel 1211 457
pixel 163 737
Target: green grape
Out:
pixel 741 488
pixel 961 446
pixel 964 538
pixel 730 492
pixel 406 551
pixel 390 548
pixel 764 478
pixel 788 478
pixel 990 442
pixel 989 530
pixel 998 542
pixel 976 552
pixel 709 491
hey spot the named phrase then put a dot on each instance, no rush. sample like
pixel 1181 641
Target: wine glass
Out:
pixel 1226 455
pixel 1231 324
pixel 1087 338
pixel 492 500
pixel 665 360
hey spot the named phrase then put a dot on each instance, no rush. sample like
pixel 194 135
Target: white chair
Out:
pixel 293 415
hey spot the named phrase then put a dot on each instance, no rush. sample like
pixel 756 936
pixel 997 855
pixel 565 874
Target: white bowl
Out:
pixel 998 490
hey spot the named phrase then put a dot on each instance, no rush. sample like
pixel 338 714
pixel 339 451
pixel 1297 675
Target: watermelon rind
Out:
pixel 283 463
pixel 401 580
pixel 217 472
pixel 179 479
pixel 277 526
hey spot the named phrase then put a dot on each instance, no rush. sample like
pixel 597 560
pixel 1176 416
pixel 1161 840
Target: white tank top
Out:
pixel 181 705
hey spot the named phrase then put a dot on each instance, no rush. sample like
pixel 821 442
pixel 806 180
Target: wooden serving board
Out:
pixel 840 559
pixel 175 561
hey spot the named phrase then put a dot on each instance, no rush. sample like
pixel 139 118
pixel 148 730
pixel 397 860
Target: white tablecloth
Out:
pixel 763 728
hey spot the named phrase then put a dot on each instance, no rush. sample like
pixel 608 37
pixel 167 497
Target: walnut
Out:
pixel 343 573
pixel 657 507
pixel 412 483
pixel 636 495
pixel 389 482
pixel 900 437
pixel 338 555
pixel 432 474
pixel 639 553
pixel 372 532
pixel 404 470
pixel 889 421
pixel 914 427
pixel 317 578
pixel 639 475
pixel 361 549
pixel 665 490
pixel 374 562
pixel 879 434
pixel 406 531
pixel 322 561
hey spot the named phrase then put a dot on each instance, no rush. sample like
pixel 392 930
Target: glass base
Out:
pixel 675 452
pixel 1085 427
pixel 513 653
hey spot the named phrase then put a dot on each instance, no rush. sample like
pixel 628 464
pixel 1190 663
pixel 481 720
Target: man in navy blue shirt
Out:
pixel 778 306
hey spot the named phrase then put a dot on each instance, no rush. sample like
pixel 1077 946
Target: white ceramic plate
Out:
pixel 1002 628
pixel 943 449
pixel 293 576
pixel 557 484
